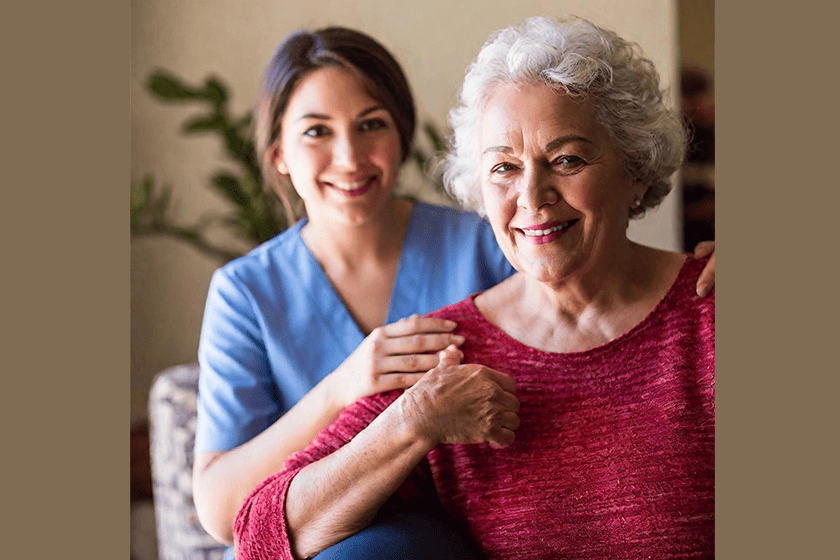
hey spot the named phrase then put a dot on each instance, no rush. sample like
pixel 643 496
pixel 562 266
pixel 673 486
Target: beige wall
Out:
pixel 433 39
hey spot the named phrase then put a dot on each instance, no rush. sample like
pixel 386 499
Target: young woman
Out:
pixel 328 311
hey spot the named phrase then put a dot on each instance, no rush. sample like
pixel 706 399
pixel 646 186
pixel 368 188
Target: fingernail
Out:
pixel 702 290
pixel 450 324
pixel 459 340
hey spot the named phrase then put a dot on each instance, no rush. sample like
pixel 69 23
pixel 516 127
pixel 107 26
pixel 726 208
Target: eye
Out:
pixel 568 162
pixel 502 168
pixel 372 124
pixel 316 131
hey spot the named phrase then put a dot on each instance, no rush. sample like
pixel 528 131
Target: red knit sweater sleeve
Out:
pixel 259 529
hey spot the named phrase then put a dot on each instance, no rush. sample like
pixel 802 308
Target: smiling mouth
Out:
pixel 547 231
pixel 354 189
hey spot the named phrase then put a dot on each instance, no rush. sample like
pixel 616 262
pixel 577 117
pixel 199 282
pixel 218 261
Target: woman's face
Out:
pixel 340 147
pixel 554 188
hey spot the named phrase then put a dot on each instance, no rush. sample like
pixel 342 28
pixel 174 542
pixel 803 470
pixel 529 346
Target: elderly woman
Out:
pixel 577 418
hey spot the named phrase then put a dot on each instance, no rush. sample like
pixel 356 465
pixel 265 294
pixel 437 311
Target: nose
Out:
pixel 536 190
pixel 347 152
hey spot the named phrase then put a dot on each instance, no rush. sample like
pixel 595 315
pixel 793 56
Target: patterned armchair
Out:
pixel 172 417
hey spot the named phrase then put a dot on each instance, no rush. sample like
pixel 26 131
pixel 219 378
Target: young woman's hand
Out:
pixel 707 278
pixel 393 356
pixel 468 403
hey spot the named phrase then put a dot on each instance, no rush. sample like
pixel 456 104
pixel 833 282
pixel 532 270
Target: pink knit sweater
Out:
pixel 614 456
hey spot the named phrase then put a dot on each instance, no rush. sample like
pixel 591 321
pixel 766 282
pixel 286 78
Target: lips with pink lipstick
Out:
pixel 354 187
pixel 544 233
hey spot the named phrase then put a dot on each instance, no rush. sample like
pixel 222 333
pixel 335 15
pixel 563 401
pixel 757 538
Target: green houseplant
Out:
pixel 254 214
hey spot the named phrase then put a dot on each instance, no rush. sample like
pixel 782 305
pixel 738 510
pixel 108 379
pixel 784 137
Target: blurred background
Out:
pixel 231 40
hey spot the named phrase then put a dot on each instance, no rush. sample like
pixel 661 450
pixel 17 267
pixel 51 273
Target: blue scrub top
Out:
pixel 274 326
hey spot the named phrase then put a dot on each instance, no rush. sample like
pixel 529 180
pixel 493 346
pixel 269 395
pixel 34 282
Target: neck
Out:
pixel 597 289
pixel 586 309
pixel 378 238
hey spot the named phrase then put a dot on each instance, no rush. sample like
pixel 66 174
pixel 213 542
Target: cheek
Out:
pixel 387 153
pixel 302 166
pixel 299 159
pixel 499 209
pixel 590 199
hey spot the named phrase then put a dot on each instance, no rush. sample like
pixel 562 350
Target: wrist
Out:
pixel 335 394
pixel 410 418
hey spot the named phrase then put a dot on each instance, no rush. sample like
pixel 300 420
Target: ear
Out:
pixel 638 191
pixel 277 158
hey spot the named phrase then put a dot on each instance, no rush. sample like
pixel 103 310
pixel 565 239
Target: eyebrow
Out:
pixel 503 149
pixel 550 147
pixel 557 142
pixel 324 117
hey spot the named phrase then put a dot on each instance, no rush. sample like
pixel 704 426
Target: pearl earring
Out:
pixel 637 202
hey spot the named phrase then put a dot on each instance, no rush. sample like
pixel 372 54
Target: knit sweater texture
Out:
pixel 614 456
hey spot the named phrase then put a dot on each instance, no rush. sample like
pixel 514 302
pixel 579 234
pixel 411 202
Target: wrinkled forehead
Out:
pixel 532 111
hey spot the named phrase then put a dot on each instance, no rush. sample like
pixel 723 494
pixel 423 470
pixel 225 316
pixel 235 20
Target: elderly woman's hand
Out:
pixel 707 278
pixel 393 356
pixel 468 403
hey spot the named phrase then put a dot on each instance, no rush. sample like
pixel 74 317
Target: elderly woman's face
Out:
pixel 553 184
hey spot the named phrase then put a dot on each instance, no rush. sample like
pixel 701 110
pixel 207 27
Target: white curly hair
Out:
pixel 576 57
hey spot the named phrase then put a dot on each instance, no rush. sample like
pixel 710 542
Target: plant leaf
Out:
pixel 215 91
pixel 204 124
pixel 434 136
pixel 167 87
pixel 159 206
pixel 245 121
pixel 230 186
pixel 420 159
pixel 140 195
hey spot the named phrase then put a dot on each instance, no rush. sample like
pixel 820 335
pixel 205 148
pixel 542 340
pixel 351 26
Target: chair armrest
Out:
pixel 172 421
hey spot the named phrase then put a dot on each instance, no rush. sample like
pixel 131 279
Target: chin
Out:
pixel 548 270
pixel 359 214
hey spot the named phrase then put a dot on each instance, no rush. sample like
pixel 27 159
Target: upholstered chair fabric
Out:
pixel 172 417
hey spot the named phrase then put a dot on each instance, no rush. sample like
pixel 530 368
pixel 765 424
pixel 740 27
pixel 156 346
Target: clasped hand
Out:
pixel 468 403
pixel 393 356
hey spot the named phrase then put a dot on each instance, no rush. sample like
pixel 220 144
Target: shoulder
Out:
pixel 682 309
pixel 453 218
pixel 463 311
pixel 252 267
pixel 693 266
pixel 445 231
pixel 686 284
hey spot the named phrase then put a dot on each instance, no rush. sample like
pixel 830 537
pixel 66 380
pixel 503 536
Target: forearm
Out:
pixel 222 481
pixel 339 495
pixel 336 486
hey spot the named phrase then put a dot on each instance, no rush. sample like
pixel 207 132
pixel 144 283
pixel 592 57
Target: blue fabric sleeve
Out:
pixel 237 396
